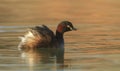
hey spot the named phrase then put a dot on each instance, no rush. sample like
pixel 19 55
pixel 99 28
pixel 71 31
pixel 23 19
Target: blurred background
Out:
pixel 29 12
pixel 95 46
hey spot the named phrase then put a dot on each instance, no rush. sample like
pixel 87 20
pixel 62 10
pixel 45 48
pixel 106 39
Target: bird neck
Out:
pixel 59 37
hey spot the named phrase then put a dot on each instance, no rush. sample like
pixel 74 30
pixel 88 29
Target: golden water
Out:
pixel 95 46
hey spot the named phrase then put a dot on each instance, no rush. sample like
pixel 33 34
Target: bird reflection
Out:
pixel 44 58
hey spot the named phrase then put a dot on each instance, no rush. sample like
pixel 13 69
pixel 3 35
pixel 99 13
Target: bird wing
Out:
pixel 39 36
pixel 42 35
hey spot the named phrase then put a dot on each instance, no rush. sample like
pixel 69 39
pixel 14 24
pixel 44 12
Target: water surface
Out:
pixel 93 47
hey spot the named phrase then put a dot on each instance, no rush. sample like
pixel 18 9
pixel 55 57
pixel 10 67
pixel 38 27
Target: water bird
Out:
pixel 43 37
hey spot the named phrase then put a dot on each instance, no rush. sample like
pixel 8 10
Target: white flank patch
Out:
pixel 29 34
pixel 22 39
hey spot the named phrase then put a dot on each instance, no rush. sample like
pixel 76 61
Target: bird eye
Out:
pixel 68 26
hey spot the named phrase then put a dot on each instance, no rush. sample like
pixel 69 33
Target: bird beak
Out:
pixel 74 28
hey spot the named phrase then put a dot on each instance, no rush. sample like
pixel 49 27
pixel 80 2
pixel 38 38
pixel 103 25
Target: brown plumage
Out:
pixel 43 37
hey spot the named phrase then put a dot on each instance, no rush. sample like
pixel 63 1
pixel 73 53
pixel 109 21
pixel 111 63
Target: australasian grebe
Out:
pixel 42 36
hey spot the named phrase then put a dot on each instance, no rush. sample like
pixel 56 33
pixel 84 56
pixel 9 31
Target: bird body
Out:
pixel 43 37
